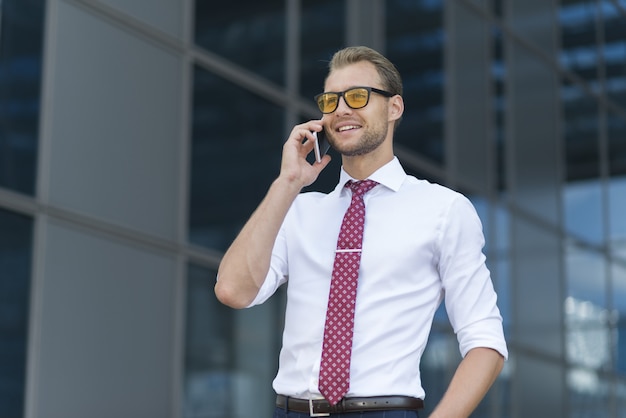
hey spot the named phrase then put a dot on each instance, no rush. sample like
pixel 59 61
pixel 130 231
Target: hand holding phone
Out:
pixel 321 145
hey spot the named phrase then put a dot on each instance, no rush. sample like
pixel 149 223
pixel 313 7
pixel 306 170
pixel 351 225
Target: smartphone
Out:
pixel 321 145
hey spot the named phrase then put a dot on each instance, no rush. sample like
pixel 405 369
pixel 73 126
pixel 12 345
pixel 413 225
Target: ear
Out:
pixel 396 107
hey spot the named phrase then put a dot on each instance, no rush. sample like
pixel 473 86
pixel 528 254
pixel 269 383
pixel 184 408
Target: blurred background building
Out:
pixel 137 136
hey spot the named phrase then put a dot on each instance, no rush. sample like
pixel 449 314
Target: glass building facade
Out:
pixel 137 137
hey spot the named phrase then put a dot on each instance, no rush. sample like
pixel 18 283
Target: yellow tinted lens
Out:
pixel 356 98
pixel 327 102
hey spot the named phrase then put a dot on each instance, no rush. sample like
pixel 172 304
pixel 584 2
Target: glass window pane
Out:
pixel 580 130
pixel 621 385
pixel 15 267
pixel 617 220
pixel 237 143
pixel 586 276
pixel 618 277
pixel 230 355
pixel 249 33
pixel 414 43
pixel 321 36
pixel 498 74
pixel 583 214
pixel 439 361
pixel 21 31
pixel 614 50
pixel 588 333
pixel 589 394
pixel 209 347
pixel 580 52
pixel 616 128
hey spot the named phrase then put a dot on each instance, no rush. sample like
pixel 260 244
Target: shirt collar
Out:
pixel 391 175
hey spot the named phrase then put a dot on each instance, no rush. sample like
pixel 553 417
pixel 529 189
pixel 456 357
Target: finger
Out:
pixel 300 135
pixel 309 127
pixel 315 125
pixel 322 164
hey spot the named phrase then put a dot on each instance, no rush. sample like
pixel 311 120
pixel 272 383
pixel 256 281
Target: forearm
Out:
pixel 470 383
pixel 246 263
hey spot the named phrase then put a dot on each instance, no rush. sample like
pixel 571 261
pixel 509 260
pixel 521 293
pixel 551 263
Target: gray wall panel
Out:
pixel 469 127
pixel 165 15
pixel 543 397
pixel 107 333
pixel 116 123
pixel 534 185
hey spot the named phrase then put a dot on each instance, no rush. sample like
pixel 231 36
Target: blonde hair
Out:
pixel 389 75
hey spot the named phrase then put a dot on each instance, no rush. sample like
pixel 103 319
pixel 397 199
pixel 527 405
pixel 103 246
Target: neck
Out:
pixel 361 167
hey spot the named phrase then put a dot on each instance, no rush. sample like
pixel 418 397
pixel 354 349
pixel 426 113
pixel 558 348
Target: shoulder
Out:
pixel 432 191
pixel 305 198
pixel 310 202
pixel 435 199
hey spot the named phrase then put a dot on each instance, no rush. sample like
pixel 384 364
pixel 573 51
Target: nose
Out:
pixel 342 106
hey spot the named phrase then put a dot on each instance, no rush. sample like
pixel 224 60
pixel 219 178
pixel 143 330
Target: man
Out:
pixel 421 243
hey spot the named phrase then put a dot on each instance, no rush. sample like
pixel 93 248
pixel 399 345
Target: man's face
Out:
pixel 350 131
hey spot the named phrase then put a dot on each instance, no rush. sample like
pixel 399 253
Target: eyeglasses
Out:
pixel 355 98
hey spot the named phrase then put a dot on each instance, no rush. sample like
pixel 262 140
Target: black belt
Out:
pixel 321 407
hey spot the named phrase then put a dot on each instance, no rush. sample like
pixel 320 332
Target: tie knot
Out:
pixel 359 188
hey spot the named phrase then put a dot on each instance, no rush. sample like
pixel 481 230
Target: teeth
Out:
pixel 347 128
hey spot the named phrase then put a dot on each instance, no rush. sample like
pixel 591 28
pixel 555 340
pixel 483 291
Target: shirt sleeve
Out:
pixel 470 298
pixel 277 274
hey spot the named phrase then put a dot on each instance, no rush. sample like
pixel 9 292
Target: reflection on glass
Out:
pixel 589 345
pixel 415 40
pixel 236 147
pixel 618 316
pixel 249 33
pixel 617 222
pixel 614 50
pixel 15 271
pixel 588 335
pixel 21 32
pixel 583 210
pixel 589 393
pixel 580 51
pixel 616 128
pixel 586 276
pixel 580 130
pixel 588 327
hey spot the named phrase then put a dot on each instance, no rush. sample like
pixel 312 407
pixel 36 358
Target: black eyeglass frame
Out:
pixel 340 94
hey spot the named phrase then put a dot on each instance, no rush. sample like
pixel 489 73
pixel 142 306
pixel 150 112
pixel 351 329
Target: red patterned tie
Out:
pixel 334 379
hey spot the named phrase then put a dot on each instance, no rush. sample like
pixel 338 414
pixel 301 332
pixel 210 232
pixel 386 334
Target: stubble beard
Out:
pixel 370 140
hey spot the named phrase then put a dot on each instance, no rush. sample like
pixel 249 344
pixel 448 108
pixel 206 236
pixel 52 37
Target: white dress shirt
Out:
pixel 422 244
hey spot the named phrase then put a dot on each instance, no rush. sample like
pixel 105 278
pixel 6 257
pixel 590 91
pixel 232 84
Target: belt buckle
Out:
pixel 316 414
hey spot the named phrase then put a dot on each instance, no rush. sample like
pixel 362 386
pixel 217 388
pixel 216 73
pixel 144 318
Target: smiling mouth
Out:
pixel 348 128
